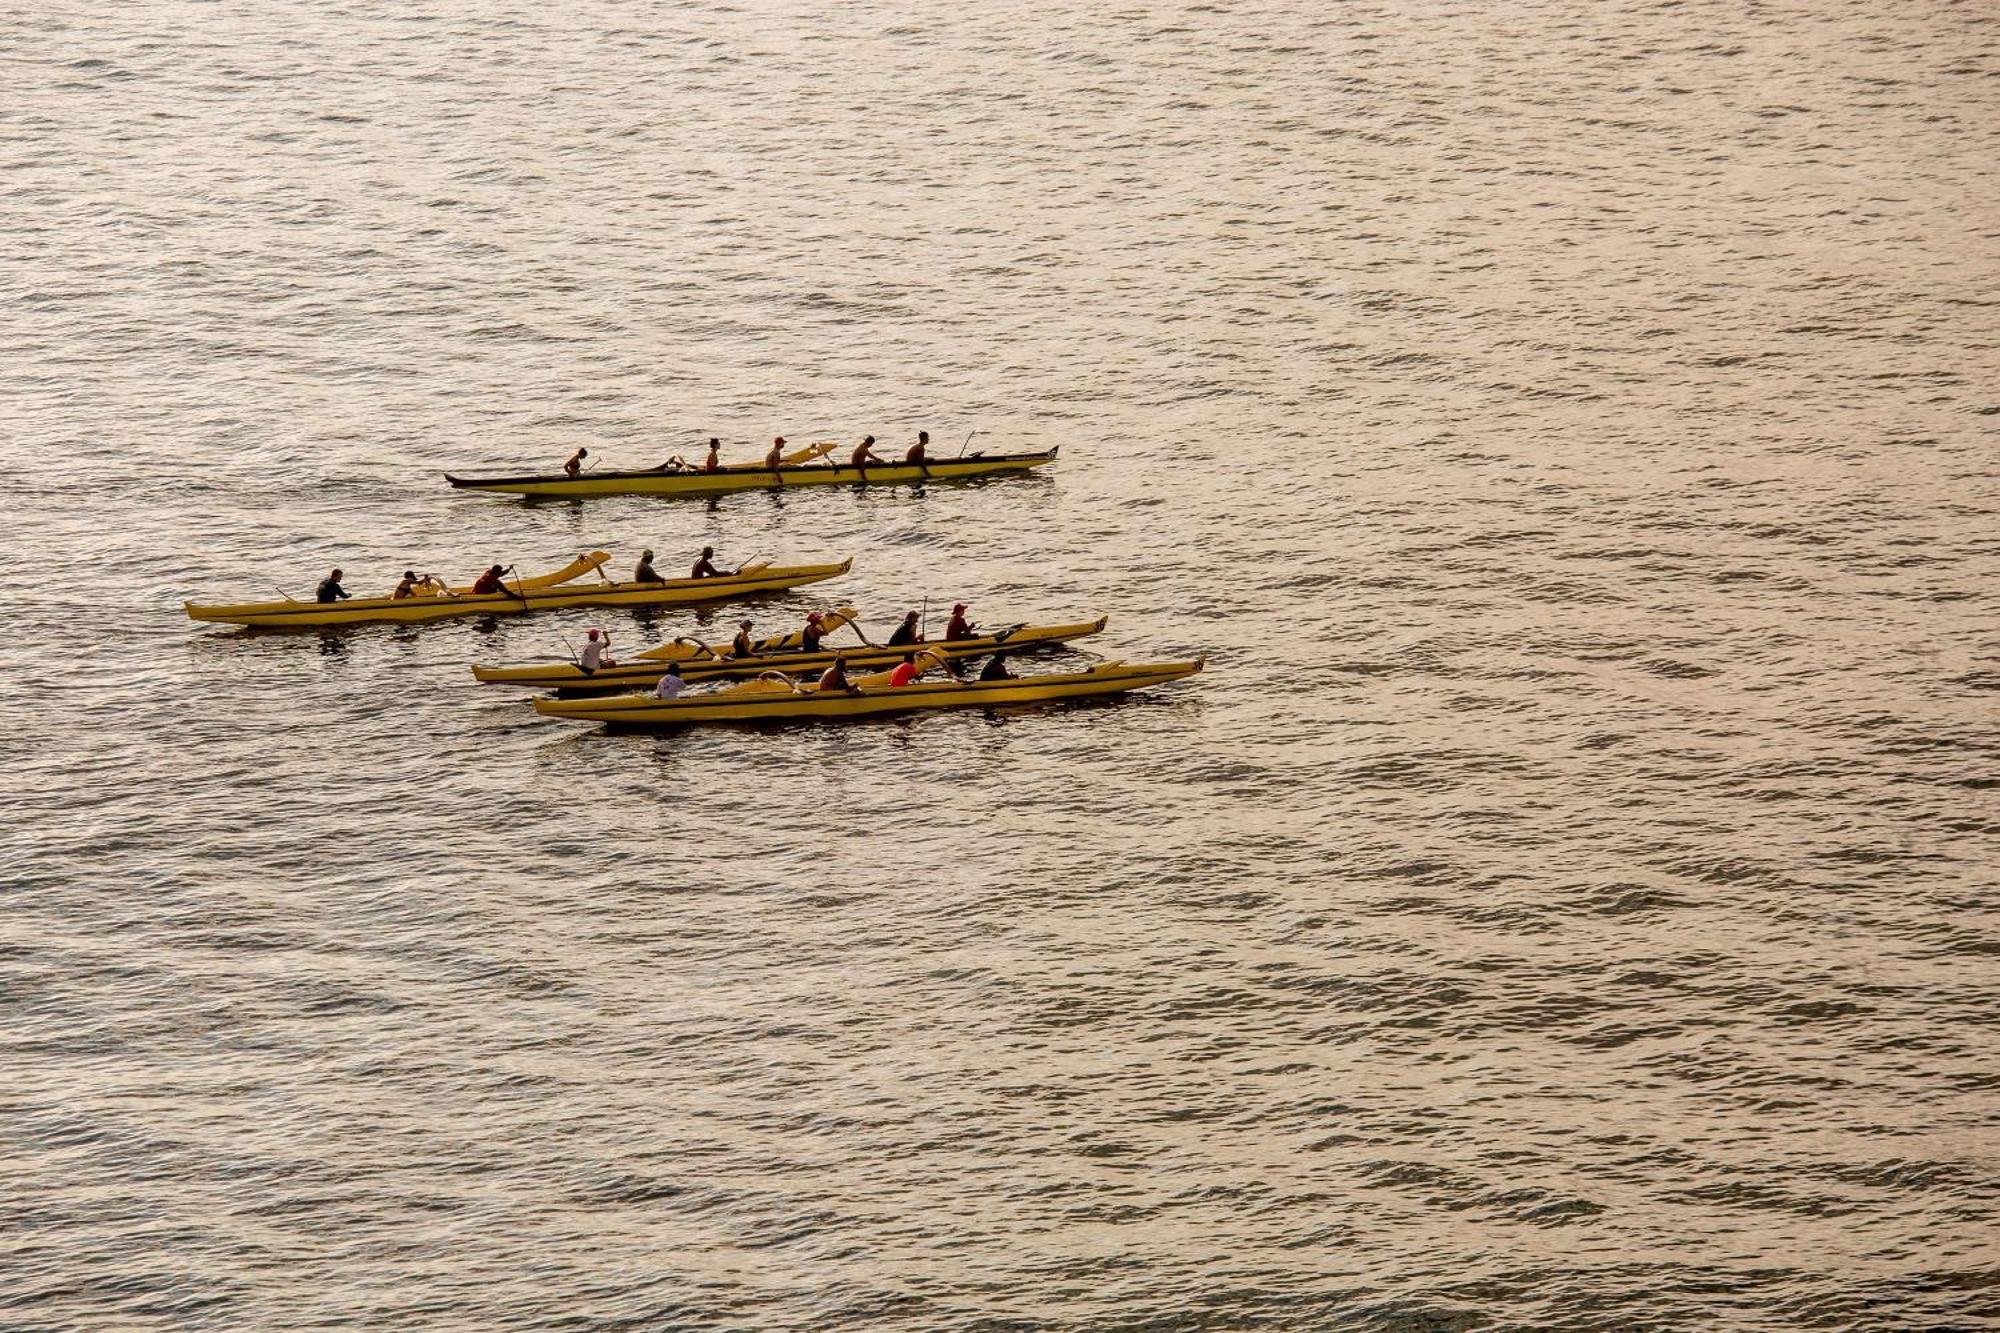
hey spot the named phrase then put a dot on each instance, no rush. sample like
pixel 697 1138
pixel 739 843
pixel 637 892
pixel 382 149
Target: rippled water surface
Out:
pixel 1564 902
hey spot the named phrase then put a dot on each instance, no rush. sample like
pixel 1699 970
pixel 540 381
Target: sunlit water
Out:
pixel 1565 901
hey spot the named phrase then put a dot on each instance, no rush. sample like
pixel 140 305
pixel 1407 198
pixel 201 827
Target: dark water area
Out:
pixel 1565 901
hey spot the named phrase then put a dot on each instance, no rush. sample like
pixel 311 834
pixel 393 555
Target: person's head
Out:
pixel 911 658
pixel 673 668
pixel 335 576
pixel 779 442
pixel 910 619
pixel 923 437
pixel 707 551
pixel 869 440
pixel 743 625
pixel 496 571
pixel 714 444
pixel 840 662
pixel 582 452
pixel 409 576
pixel 958 608
pixel 646 554
pixel 813 617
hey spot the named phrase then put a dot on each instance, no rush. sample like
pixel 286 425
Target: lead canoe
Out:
pixel 699 661
pixel 752 478
pixel 546 592
pixel 774 699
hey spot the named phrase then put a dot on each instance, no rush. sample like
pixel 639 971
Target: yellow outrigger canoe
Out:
pixel 775 697
pixel 543 592
pixel 701 661
pixel 753 477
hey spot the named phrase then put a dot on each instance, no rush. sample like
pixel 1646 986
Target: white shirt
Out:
pixel 593 653
pixel 669 687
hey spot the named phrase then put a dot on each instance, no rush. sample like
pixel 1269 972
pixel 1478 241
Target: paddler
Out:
pixel 329 589
pixel 906 633
pixel 996 668
pixel 905 672
pixel 406 587
pixel 959 627
pixel 863 455
pixel 813 632
pixel 835 678
pixel 775 459
pixel 575 463
pixel 492 581
pixel 713 463
pixel 742 645
pixel 671 684
pixel 915 453
pixel 596 652
pixel 704 568
pixel 644 572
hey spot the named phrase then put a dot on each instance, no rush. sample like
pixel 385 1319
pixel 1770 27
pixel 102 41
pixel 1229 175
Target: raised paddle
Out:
pixel 968 440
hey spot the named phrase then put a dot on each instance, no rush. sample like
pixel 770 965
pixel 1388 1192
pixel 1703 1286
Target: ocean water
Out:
pixel 1565 901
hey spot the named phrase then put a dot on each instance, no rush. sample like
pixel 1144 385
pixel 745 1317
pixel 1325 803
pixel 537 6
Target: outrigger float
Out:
pixel 776 697
pixel 700 661
pixel 753 477
pixel 543 592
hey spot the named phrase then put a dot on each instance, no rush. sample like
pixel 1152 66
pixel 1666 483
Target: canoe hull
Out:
pixel 421 610
pixel 636 710
pixel 568 680
pixel 750 479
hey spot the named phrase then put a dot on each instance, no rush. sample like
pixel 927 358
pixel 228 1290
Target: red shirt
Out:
pixel 904 673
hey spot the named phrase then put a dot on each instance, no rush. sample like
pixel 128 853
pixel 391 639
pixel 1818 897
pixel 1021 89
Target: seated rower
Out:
pixel 906 671
pixel 810 636
pixel 671 684
pixel 713 463
pixel 915 453
pixel 704 568
pixel 906 633
pixel 775 459
pixel 834 678
pixel 742 645
pixel 864 454
pixel 575 463
pixel 959 627
pixel 329 590
pixel 996 668
pixel 644 572
pixel 406 587
pixel 596 652
pixel 492 581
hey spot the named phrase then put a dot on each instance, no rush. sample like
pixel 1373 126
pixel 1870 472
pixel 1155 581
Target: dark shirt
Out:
pixel 996 668
pixel 645 573
pixel 742 647
pixel 959 628
pixel 809 638
pixel 905 634
pixel 487 583
pixel 704 568
pixel 329 591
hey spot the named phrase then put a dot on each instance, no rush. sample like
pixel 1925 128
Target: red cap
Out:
pixel 812 616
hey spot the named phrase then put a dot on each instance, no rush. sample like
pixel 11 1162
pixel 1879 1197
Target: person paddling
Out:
pixel 406 587
pixel 906 633
pixel 644 571
pixel 329 589
pixel 671 684
pixel 813 632
pixel 742 645
pixel 575 463
pixel 996 668
pixel 713 463
pixel 492 581
pixel 916 452
pixel 704 568
pixel 834 678
pixel 596 652
pixel 905 672
pixel 863 455
pixel 775 459
pixel 959 627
